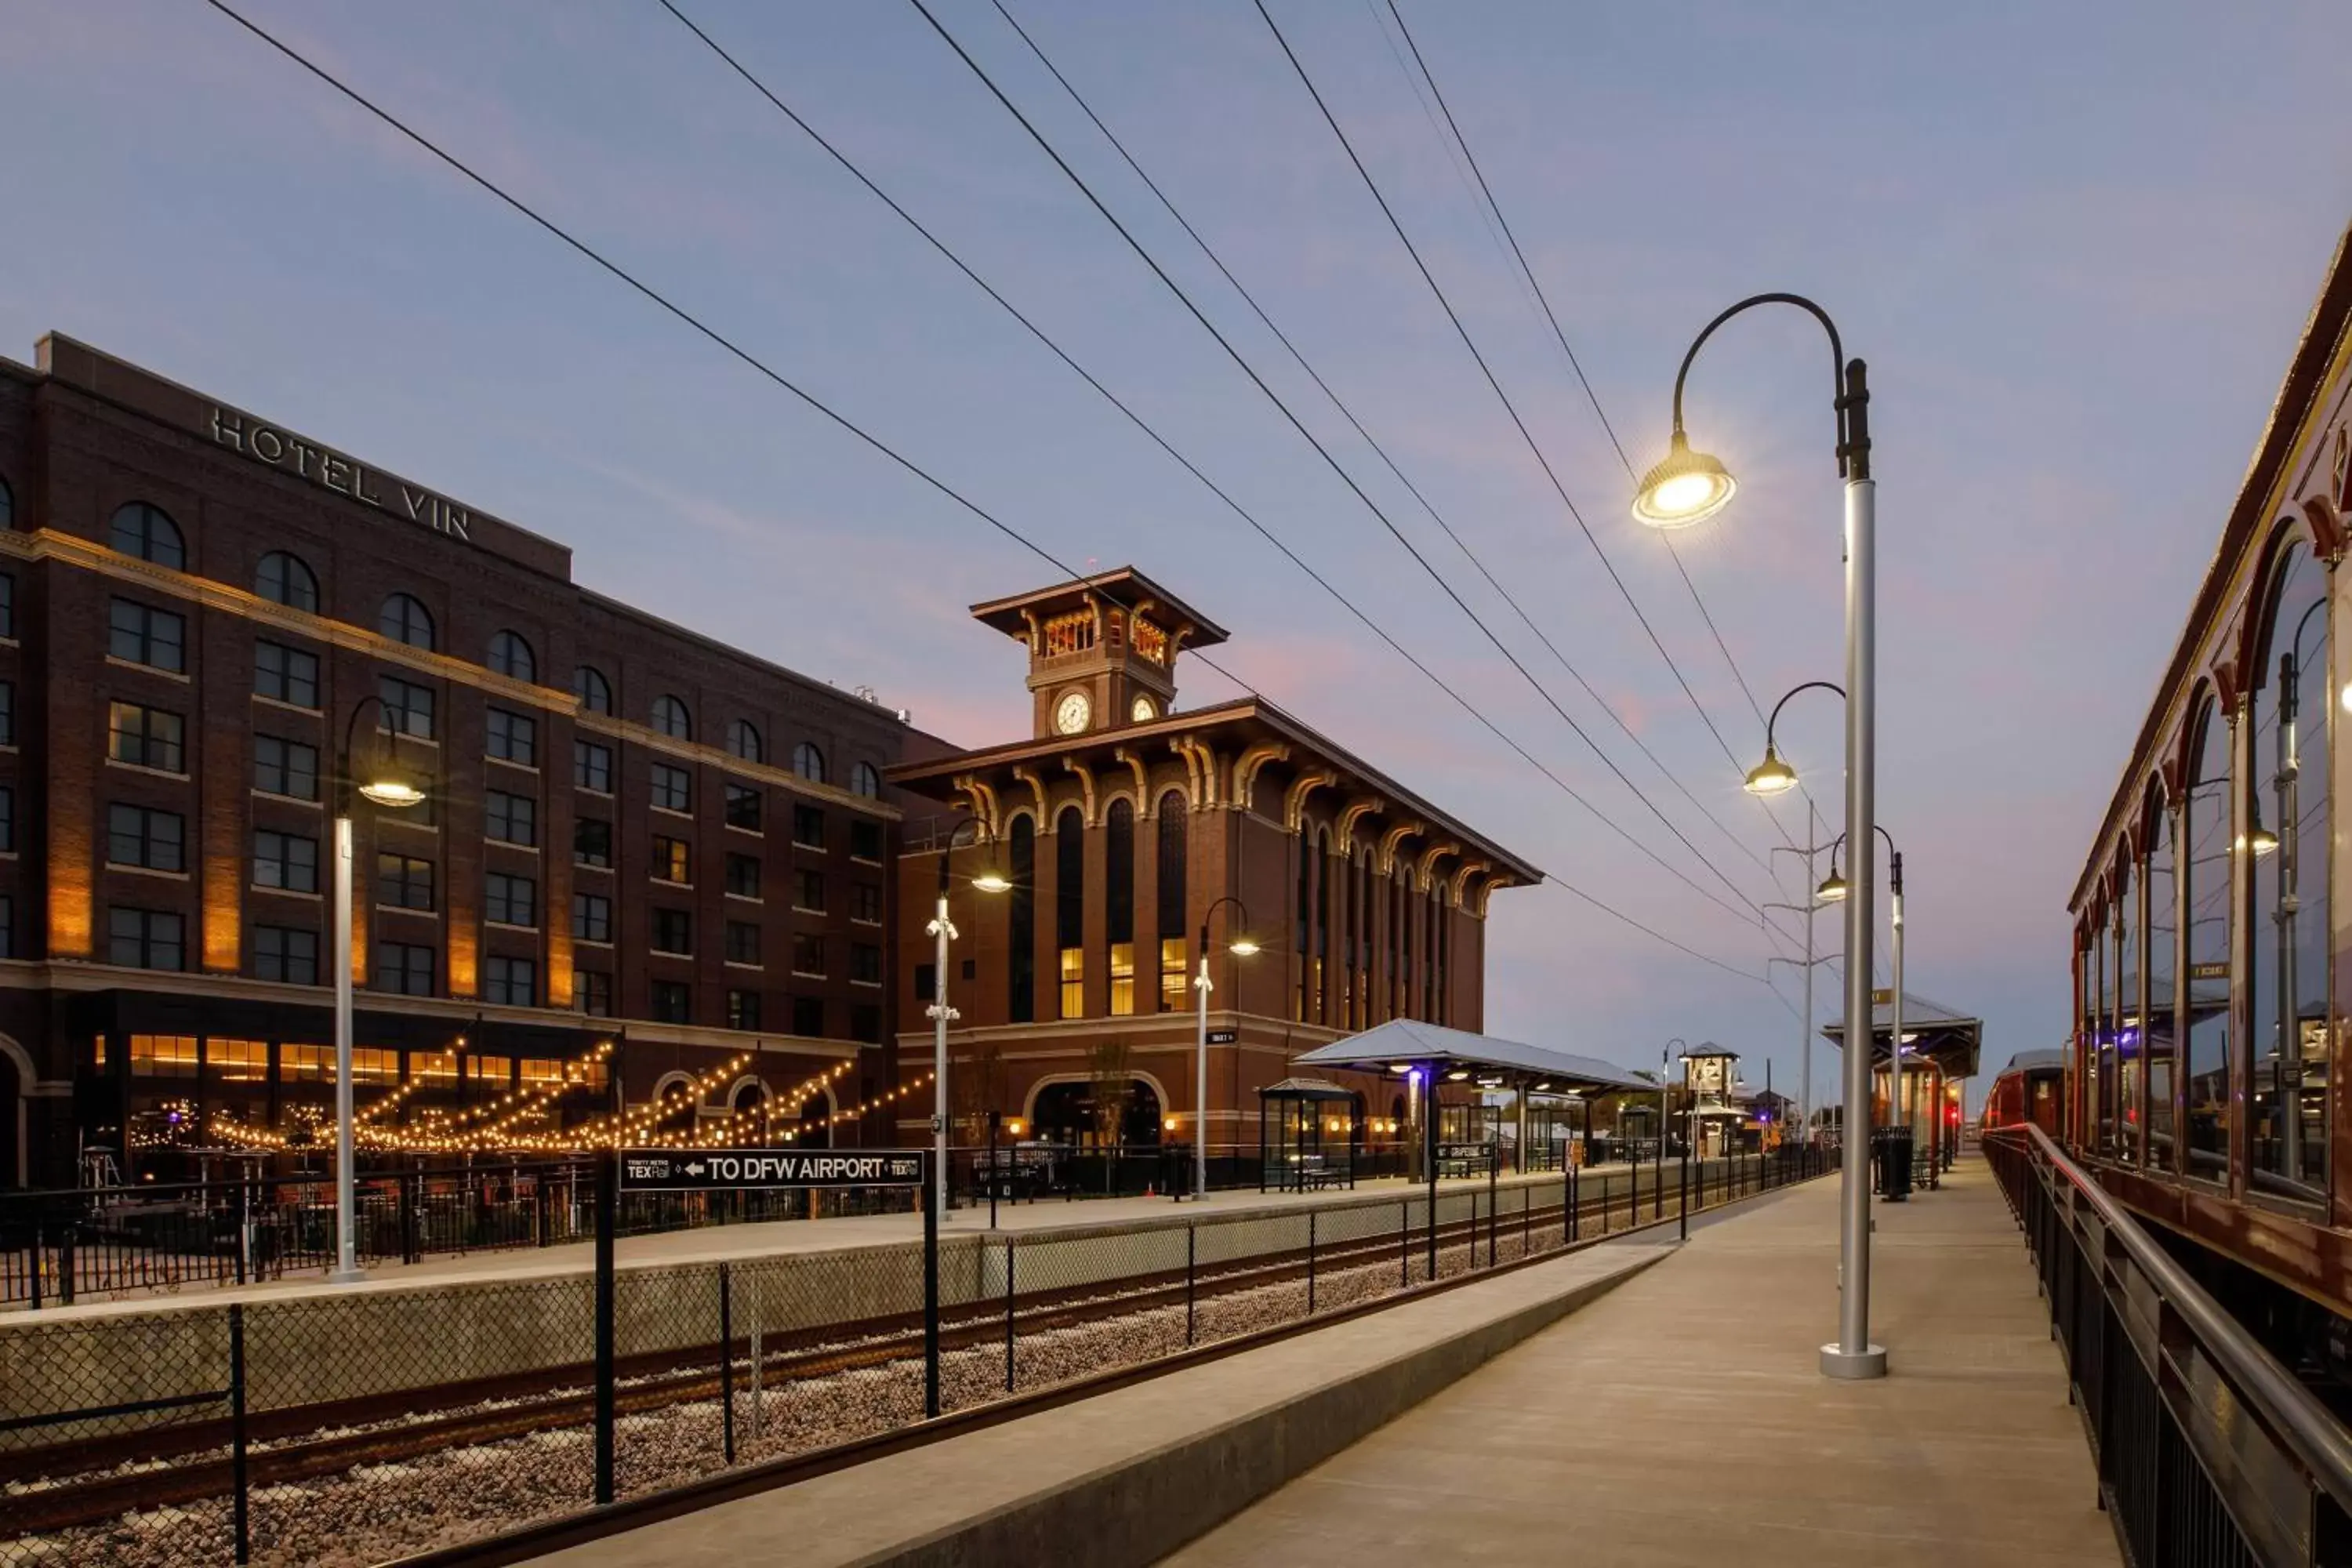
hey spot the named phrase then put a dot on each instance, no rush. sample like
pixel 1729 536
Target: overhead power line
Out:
pixel 761 367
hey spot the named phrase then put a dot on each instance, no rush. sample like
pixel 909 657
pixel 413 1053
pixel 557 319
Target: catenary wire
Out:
pixel 761 368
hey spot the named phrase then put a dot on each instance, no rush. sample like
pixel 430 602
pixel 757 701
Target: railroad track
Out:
pixel 99 1477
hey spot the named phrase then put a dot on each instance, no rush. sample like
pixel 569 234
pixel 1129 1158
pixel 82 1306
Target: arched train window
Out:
pixel 2207 829
pixel 2158 1035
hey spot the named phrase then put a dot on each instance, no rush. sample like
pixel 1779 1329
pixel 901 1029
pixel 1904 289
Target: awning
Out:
pixel 1406 1043
pixel 1306 1088
pixel 1935 1035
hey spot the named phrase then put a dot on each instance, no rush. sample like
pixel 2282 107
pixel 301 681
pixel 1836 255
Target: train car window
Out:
pixel 2111 1021
pixel 2130 934
pixel 2205 877
pixel 2287 796
pixel 2156 1033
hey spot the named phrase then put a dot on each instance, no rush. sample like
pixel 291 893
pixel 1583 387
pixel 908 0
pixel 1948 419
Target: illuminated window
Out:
pixel 145 737
pixel 163 1055
pixel 306 1064
pixel 1122 979
pixel 538 1072
pixel 237 1061
pixel 669 859
pixel 1074 982
pixel 497 1072
pixel 1173 981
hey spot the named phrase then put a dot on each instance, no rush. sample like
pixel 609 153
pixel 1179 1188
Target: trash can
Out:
pixel 1897 1154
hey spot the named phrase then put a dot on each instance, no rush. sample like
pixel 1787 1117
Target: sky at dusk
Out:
pixel 2074 241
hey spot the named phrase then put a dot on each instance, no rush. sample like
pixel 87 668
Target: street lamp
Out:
pixel 384 783
pixel 1686 488
pixel 1895 1032
pixel 1242 946
pixel 942 930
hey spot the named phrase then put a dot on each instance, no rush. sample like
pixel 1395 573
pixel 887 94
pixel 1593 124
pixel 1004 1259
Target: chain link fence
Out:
pixel 360 1427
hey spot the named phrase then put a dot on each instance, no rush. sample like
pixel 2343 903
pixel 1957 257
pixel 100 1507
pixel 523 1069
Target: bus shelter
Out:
pixel 1940 1048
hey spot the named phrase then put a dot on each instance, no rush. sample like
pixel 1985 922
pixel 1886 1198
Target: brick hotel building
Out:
pixel 632 834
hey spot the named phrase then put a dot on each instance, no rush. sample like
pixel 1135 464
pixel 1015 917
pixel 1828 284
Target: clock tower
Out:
pixel 1102 649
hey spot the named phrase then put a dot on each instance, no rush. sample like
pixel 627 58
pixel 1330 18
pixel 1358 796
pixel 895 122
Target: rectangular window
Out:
pixel 673 788
pixel 808 892
pixel 743 1010
pixel 742 942
pixel 145 737
pixel 673 931
pixel 592 766
pixel 287 860
pixel 744 807
pixel 403 968
pixel 286 675
pixel 1074 982
pixel 306 1064
pixel 510 900
pixel 7 713
pixel 373 1065
pixel 541 1072
pixel 592 841
pixel 808 827
pixel 1122 979
pixel 404 881
pixel 407 707
pixel 286 768
pixel 1174 981
pixel 808 954
pixel 672 1002
pixel 669 859
pixel 743 876
pixel 592 993
pixel 7 817
pixel 866 902
pixel 865 840
pixel 865 1024
pixel 145 939
pixel 281 953
pixel 510 818
pixel 163 1055
pixel 497 1072
pixel 514 738
pixel 138 837
pixel 510 982
pixel 237 1061
pixel 808 1017
pixel 592 917
pixel 865 963
pixel 7 606
pixel 927 981
pixel 139 635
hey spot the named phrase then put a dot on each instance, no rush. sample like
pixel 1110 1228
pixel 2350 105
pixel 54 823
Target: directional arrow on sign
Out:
pixel 695 1169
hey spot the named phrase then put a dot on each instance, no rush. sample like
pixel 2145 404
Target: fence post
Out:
pixel 1567 1196
pixel 33 1274
pixel 1310 1263
pixel 244 1230
pixel 1404 1244
pixel 726 1365
pixel 1008 1305
pixel 607 1201
pixel 932 1177
pixel 756 1412
pixel 410 1190
pixel 237 1435
pixel 1683 1201
pixel 1192 1256
pixel 1526 1220
pixel 1494 1197
pixel 68 1266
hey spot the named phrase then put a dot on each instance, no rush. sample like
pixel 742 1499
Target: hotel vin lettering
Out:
pixel 345 476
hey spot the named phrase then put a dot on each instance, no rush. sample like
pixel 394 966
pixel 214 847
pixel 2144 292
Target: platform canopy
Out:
pixel 1939 1035
pixel 1405 1043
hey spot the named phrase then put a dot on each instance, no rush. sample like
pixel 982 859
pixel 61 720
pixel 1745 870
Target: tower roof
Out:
pixel 1123 586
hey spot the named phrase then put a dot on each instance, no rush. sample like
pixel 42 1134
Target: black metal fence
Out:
pixel 2209 1451
pixel 363 1426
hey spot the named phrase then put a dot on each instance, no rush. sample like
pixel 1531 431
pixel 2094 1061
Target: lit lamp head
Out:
pixel 1832 887
pixel 1770 776
pixel 1243 947
pixel 386 783
pixel 2259 840
pixel 1683 487
pixel 993 880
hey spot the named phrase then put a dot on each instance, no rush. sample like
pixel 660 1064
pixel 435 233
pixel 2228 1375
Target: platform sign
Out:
pixel 1468 1153
pixel 736 1170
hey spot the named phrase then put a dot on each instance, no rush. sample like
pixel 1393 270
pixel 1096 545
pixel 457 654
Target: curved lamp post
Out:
pixel 1241 946
pixel 1686 487
pixel 943 931
pixel 383 783
pixel 1770 777
pixel 1834 889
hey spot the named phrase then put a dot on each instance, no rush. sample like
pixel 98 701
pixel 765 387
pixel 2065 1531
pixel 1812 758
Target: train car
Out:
pixel 2206 1080
pixel 2027 1091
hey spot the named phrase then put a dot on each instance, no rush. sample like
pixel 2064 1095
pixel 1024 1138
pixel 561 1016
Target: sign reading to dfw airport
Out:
pixel 725 1170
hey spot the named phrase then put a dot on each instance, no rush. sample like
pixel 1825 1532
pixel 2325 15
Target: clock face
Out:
pixel 1071 713
pixel 1143 713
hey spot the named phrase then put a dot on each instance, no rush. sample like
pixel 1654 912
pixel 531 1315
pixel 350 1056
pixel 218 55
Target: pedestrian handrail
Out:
pixel 2203 1383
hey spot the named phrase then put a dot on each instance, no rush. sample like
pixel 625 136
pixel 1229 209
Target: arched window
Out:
pixel 2287 796
pixel 405 620
pixel 865 779
pixel 509 655
pixel 1021 962
pixel 283 579
pixel 2156 1033
pixel 671 719
pixel 145 529
pixel 1322 924
pixel 1174 963
pixel 1303 929
pixel 808 762
pixel 595 692
pixel 1070 909
pixel 2118 1054
pixel 744 740
pixel 1118 904
pixel 2205 844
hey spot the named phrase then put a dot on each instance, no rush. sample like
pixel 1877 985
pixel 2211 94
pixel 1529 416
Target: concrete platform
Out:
pixel 1681 1420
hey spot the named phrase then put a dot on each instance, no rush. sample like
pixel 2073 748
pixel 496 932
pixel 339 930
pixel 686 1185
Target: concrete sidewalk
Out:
pixel 1682 1419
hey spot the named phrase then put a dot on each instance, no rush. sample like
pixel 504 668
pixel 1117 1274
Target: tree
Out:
pixel 1110 1069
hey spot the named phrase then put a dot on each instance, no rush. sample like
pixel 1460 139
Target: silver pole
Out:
pixel 1812 906
pixel 1897 1112
pixel 347 1263
pixel 1853 1355
pixel 1200 1078
pixel 943 931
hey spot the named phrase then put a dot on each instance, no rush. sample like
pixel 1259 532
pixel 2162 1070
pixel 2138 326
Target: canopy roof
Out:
pixel 1941 1037
pixel 1407 1042
pixel 1306 1088
pixel 2036 1061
